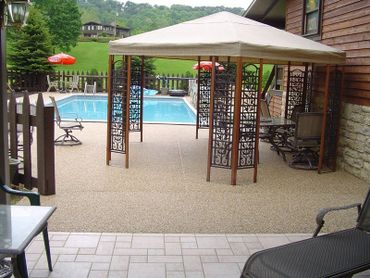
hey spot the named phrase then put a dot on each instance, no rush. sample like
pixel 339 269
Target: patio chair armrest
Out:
pixel 33 197
pixel 320 216
pixel 74 115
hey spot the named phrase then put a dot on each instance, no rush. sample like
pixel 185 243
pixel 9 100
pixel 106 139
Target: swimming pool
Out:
pixel 156 109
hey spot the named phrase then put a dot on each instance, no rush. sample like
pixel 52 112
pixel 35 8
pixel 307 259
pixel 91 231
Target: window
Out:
pixel 311 24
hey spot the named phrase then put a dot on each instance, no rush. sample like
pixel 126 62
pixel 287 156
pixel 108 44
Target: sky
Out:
pixel 227 3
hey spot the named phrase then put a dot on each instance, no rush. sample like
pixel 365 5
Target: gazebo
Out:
pixel 228 101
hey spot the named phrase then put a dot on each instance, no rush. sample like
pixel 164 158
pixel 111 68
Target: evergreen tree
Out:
pixel 32 46
pixel 64 21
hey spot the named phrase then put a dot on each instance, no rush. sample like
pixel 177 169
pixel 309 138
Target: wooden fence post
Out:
pixel 13 127
pixel 45 148
pixel 25 120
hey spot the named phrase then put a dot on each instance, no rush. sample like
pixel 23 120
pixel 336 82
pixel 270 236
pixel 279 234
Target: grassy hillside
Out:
pixel 165 66
pixel 94 55
pixel 89 55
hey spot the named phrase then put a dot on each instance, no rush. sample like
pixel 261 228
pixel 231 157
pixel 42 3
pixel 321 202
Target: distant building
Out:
pixel 94 30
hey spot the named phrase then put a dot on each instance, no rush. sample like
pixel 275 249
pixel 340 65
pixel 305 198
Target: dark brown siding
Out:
pixel 346 26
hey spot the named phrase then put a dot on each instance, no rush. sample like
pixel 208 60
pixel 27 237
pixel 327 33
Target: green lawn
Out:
pixel 166 66
pixel 89 55
pixel 94 55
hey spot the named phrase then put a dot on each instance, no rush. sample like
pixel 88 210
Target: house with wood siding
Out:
pixel 93 30
pixel 343 24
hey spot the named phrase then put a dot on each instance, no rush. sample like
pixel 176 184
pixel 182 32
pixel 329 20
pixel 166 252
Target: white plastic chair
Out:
pixel 52 84
pixel 74 84
pixel 90 89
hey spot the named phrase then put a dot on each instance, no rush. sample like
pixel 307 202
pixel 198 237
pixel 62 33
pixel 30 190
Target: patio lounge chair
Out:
pixel 34 199
pixel 338 254
pixel 67 139
pixel 74 84
pixel 90 89
pixel 52 84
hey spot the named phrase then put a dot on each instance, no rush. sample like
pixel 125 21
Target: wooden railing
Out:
pixel 38 83
pixel 23 119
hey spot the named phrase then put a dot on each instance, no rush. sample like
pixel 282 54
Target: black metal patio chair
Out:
pixel 306 141
pixel 67 139
pixel 338 254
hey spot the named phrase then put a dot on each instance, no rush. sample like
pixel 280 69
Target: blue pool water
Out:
pixel 156 109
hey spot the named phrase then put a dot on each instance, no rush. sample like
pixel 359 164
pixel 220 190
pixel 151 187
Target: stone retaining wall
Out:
pixel 354 141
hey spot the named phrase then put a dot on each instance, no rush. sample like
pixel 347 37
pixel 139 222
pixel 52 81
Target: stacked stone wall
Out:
pixel 354 141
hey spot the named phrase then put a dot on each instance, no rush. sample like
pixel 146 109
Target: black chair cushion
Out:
pixel 331 255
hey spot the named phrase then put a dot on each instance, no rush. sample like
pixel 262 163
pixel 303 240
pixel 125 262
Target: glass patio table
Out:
pixel 18 226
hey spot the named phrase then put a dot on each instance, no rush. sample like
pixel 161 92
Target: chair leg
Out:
pixel 67 139
pixel 47 247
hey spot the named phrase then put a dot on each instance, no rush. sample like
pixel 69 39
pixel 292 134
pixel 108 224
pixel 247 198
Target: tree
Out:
pixel 64 21
pixel 148 64
pixel 31 46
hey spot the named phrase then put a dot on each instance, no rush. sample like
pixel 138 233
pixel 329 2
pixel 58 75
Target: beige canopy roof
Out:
pixel 227 35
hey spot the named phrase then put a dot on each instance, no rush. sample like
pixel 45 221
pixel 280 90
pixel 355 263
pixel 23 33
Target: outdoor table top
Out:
pixel 19 225
pixel 276 122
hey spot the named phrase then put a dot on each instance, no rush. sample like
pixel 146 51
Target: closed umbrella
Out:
pixel 62 59
pixel 207 66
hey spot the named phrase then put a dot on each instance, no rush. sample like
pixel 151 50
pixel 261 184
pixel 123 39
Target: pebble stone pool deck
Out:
pixel 208 238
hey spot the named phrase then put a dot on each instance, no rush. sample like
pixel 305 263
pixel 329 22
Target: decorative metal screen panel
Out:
pixel 135 100
pixel 296 90
pixel 118 107
pixel 248 117
pixel 204 99
pixel 332 119
pixel 223 115
pixel 309 86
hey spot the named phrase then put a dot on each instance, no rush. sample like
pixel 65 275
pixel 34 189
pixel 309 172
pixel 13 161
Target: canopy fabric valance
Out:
pixel 227 35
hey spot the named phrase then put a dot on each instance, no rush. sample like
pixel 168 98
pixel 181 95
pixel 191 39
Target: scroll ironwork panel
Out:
pixel 118 107
pixel 332 119
pixel 204 99
pixel 223 115
pixel 296 90
pixel 248 117
pixel 135 100
pixel 309 86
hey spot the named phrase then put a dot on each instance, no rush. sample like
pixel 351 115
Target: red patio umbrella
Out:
pixel 207 66
pixel 62 59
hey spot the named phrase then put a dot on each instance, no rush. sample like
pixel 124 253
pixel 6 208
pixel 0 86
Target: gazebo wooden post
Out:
pixel 198 101
pixel 325 111
pixel 258 120
pixel 287 92
pixel 127 124
pixel 236 121
pixel 211 104
pixel 142 85
pixel 109 109
pixel 341 93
